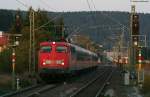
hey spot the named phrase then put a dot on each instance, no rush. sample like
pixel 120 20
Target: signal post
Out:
pixel 136 43
pixel 13 44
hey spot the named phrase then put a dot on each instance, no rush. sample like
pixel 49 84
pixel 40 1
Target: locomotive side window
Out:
pixel 73 50
pixel 81 56
pixel 46 49
pixel 61 49
pixel 94 58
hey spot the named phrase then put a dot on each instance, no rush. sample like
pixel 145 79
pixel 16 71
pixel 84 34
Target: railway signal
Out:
pixel 13 66
pixel 18 22
pixel 135 29
pixel 140 68
pixel 13 45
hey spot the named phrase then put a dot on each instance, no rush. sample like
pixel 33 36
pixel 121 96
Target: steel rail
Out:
pixel 41 90
pixel 33 89
pixel 20 91
pixel 88 84
pixel 103 86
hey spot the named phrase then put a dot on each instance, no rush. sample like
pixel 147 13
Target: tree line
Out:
pixel 51 31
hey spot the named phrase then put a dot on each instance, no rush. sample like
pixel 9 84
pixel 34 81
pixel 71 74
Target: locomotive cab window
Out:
pixel 45 49
pixel 61 49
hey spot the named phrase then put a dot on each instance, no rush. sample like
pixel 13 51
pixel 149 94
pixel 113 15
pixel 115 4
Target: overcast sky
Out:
pixel 75 5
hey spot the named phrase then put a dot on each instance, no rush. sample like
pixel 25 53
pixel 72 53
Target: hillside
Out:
pixel 6 20
pixel 100 26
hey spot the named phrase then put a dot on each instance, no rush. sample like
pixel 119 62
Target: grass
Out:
pixel 146 86
pixel 5 81
pixel 5 84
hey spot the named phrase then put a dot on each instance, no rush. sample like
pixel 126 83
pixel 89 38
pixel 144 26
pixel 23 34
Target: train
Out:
pixel 63 58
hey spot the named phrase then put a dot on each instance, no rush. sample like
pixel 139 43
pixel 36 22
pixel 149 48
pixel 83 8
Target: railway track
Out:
pixel 77 87
pixel 68 89
pixel 30 91
pixel 94 88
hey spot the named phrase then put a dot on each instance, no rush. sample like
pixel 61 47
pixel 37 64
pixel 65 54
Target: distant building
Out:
pixel 117 57
pixel 3 41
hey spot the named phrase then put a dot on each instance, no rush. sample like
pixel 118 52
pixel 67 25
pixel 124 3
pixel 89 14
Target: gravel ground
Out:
pixel 116 88
pixel 116 85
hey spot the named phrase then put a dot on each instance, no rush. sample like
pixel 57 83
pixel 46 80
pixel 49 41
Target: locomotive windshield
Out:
pixel 46 49
pixel 61 49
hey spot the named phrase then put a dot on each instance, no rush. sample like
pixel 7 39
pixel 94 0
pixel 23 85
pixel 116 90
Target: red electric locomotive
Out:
pixel 57 58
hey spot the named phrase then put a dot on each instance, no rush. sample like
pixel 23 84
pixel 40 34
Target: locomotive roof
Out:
pixel 50 43
pixel 78 48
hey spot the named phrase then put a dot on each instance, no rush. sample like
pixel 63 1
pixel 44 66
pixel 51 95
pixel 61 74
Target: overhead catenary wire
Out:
pixel 93 4
pixel 122 26
pixel 111 18
pixel 47 4
pixel 88 3
pixel 54 18
pixel 79 27
pixel 23 4
pixel 75 29
pixel 43 25
pixel 60 14
pixel 93 16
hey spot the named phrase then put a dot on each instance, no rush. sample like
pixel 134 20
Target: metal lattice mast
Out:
pixel 33 44
pixel 31 66
pixel 30 42
pixel 135 45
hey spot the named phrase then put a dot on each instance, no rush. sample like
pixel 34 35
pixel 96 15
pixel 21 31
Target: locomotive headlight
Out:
pixel 44 63
pixel 53 42
pixel 60 62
